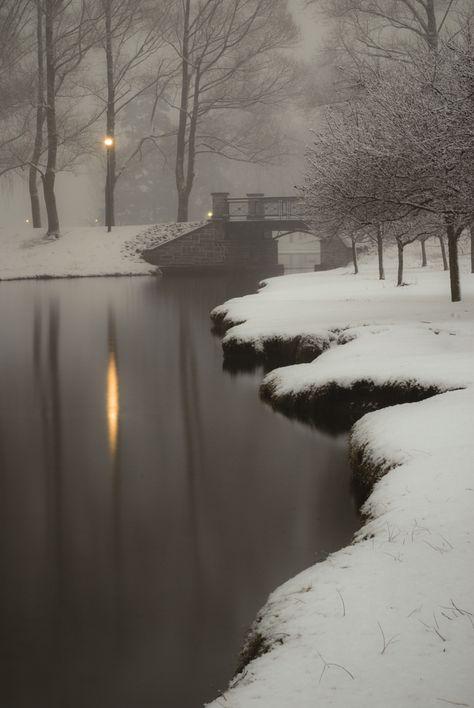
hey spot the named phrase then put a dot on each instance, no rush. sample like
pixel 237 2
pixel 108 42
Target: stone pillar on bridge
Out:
pixel 220 205
pixel 256 205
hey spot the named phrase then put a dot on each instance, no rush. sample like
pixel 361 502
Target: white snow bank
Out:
pixel 84 251
pixel 318 303
pixel 388 621
pixel 440 357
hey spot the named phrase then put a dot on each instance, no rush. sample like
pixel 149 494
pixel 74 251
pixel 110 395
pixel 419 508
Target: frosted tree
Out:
pixel 418 226
pixel 405 147
pixel 425 110
pixel 340 159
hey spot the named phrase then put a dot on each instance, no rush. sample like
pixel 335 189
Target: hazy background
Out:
pixel 80 193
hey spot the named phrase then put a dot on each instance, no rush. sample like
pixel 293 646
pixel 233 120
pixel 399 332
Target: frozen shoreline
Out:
pixel 388 620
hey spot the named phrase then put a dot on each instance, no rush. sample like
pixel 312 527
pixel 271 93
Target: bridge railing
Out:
pixel 253 208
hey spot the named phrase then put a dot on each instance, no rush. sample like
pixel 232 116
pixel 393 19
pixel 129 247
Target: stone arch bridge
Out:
pixel 241 233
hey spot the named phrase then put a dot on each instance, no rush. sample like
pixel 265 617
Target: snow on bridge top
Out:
pixel 158 234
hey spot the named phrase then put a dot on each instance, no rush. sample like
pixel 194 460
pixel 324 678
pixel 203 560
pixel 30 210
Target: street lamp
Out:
pixel 109 144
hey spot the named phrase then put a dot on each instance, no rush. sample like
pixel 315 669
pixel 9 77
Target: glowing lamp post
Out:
pixel 109 144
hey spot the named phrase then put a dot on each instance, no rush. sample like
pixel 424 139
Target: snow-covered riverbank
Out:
pixel 388 621
pixel 82 251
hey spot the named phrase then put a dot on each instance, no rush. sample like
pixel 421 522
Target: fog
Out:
pixel 80 188
pixel 229 116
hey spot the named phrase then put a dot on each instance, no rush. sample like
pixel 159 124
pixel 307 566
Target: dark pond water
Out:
pixel 149 501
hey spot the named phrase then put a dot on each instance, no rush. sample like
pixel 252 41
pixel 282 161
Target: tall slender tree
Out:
pixel 69 34
pixel 15 45
pixel 49 178
pixel 131 43
pixel 39 122
pixel 227 52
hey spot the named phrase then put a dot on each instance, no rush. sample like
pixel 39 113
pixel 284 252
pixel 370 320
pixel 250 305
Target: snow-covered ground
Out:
pixel 389 620
pixel 82 251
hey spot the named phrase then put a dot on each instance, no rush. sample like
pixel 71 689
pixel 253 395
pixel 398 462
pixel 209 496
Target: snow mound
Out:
pixel 438 357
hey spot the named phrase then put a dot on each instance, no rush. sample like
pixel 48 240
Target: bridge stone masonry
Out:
pixel 239 235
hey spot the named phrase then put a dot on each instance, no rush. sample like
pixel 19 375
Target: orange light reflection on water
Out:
pixel 113 402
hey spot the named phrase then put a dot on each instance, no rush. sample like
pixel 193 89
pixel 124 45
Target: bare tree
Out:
pixel 131 38
pixel 39 121
pixel 68 36
pixel 50 13
pixel 14 47
pixel 371 32
pixel 356 236
pixel 377 234
pixel 424 258
pixel 227 52
pixel 423 240
pixel 384 28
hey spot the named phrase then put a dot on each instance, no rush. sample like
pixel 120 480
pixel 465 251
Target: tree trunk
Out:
pixel 432 25
pixel 400 264
pixel 183 195
pixel 424 261
pixel 453 263
pixel 38 143
pixel 34 198
pixel 183 200
pixel 472 248
pixel 50 174
pixel 380 251
pixel 354 257
pixel 110 180
pixel 183 205
pixel 443 252
pixel 50 203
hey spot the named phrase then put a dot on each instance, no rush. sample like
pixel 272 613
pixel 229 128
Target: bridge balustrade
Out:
pixel 255 208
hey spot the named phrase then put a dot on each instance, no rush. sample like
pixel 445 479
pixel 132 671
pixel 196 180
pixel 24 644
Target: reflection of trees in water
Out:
pixel 64 574
pixel 112 396
pixel 112 404
pixel 193 434
pixel 47 379
pixel 145 578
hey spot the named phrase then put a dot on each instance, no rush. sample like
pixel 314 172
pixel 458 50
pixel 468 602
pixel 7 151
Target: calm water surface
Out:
pixel 149 501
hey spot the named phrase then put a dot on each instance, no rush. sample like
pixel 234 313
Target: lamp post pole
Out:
pixel 109 144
